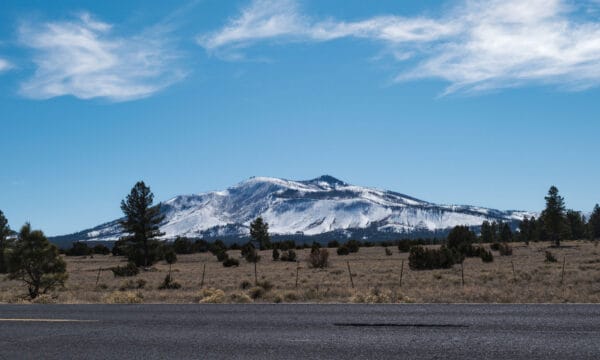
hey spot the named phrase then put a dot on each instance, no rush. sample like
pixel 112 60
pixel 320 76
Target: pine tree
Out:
pixel 594 223
pixel 554 215
pixel 36 262
pixel 486 232
pixel 259 232
pixel 142 225
pixel 4 241
pixel 525 230
pixel 505 233
pixel 575 228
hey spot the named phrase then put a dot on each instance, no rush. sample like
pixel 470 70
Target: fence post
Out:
pixel 350 273
pixel 255 274
pixel 401 272
pixel 513 270
pixel 297 269
pixel 98 277
pixel 203 272
pixel 462 273
pixel 562 275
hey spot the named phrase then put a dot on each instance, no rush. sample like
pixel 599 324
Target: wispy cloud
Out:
pixel 4 65
pixel 85 58
pixel 478 45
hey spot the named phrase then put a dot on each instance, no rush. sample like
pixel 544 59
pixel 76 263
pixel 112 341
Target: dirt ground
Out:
pixel 376 278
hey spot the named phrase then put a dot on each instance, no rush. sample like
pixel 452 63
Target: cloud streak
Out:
pixel 4 65
pixel 84 58
pixel 476 46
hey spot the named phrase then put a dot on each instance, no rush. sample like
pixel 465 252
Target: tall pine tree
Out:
pixel 594 223
pixel 576 228
pixel 259 232
pixel 142 225
pixel 4 241
pixel 554 215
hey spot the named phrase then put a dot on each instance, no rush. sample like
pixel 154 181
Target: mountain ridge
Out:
pixel 308 208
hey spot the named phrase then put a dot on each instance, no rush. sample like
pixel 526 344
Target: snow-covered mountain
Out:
pixel 324 205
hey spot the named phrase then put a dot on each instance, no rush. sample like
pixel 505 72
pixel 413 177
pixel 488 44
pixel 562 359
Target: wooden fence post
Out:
pixel 255 275
pixel 297 269
pixel 513 270
pixel 350 273
pixel 98 277
pixel 401 272
pixel 562 275
pixel 203 273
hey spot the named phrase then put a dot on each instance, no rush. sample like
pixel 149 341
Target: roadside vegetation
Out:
pixel 553 258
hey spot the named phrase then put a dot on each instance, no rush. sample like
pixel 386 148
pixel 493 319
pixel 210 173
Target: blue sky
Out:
pixel 480 102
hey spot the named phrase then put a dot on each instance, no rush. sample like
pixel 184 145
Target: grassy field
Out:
pixel 376 278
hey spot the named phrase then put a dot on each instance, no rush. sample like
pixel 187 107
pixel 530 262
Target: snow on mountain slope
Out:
pixel 311 207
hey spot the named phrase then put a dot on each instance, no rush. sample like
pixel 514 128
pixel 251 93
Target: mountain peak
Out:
pixel 330 180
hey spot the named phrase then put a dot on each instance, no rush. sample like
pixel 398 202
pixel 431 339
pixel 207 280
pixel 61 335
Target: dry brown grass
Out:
pixel 376 278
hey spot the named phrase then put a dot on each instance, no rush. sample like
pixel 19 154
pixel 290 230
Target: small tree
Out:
pixel 142 225
pixel 275 254
pixel 4 242
pixel 36 262
pixel 259 232
pixel 594 223
pixel 554 215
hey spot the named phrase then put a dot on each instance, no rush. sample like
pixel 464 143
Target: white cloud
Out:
pixel 85 59
pixel 4 65
pixel 478 45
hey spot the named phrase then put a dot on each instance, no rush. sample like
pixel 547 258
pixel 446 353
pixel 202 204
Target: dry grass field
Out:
pixel 376 278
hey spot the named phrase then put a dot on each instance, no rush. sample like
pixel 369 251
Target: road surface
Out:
pixel 300 331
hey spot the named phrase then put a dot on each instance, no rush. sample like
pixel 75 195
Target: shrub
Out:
pixel 289 255
pixel 133 285
pixel 222 256
pixel 245 284
pixel 495 246
pixel 388 252
pixel 505 250
pixel 275 254
pixel 217 247
pixel 404 246
pixel 421 258
pixel 240 298
pixel 256 292
pixel 265 285
pixel 127 297
pixel 128 270
pixel 251 255
pixel 101 250
pixel 486 256
pixel 169 284
pixel 319 258
pixel 353 246
pixel 229 262
pixel 79 249
pixel 333 244
pixel 212 296
pixel 460 236
pixel 550 257
pixel 343 250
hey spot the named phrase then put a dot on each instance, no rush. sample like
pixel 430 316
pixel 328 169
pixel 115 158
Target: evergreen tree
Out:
pixel 461 236
pixel 486 232
pixel 594 223
pixel 575 229
pixel 4 241
pixel 142 225
pixel 525 230
pixel 505 233
pixel 554 215
pixel 259 232
pixel 36 262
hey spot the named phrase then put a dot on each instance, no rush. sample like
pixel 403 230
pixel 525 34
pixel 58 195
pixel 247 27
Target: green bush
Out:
pixel 101 250
pixel 222 256
pixel 79 249
pixel 319 258
pixel 275 254
pixel 550 257
pixel 404 246
pixel 229 262
pixel 343 250
pixel 169 284
pixel 421 258
pixel 353 246
pixel 289 255
pixel 486 256
pixel 128 270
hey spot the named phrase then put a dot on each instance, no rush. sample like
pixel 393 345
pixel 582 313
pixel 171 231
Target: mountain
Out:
pixel 321 208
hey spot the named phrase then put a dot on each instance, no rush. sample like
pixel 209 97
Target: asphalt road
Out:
pixel 300 331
